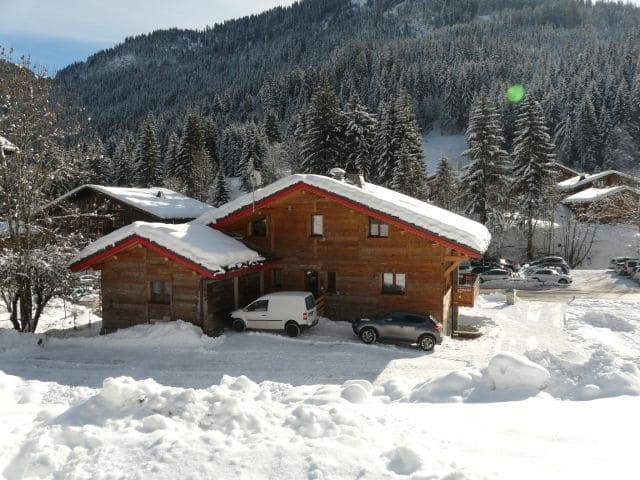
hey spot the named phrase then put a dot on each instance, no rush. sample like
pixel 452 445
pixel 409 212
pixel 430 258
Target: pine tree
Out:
pixel 190 151
pixel 211 142
pixel 385 147
pixel 485 179
pixel 221 191
pixel 322 145
pixel 272 127
pixel 253 154
pixel 587 136
pixel 147 157
pixel 171 156
pixel 359 137
pixel 409 173
pixel 446 186
pixel 123 166
pixel 533 182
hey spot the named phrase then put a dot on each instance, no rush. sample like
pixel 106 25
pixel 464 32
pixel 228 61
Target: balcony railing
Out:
pixel 467 291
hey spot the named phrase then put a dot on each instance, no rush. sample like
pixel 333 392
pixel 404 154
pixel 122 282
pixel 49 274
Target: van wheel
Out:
pixel 427 342
pixel 292 329
pixel 238 325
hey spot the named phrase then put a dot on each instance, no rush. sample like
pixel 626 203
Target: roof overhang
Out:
pixel 134 240
pixel 385 217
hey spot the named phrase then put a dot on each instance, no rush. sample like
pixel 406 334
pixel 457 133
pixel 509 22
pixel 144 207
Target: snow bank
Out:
pixel 505 371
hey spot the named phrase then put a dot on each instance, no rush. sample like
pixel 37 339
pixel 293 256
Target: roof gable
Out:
pixel 594 194
pixel 200 248
pixel 439 225
pixel 585 179
pixel 159 202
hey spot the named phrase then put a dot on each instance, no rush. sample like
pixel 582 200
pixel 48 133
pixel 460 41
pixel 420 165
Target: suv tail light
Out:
pixel 304 316
pixel 436 325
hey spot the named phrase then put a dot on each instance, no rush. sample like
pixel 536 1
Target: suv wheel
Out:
pixel 368 335
pixel 427 342
pixel 238 325
pixel 292 329
pixel 563 281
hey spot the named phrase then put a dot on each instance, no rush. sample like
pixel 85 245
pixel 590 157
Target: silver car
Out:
pixel 401 327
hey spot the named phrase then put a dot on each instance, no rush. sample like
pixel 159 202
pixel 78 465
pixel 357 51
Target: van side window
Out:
pixel 259 306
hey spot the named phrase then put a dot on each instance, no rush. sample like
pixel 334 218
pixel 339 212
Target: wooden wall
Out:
pixel 125 290
pixel 358 260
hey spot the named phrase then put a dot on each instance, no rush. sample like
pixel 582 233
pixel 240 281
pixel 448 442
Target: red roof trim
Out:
pixel 350 204
pixel 137 240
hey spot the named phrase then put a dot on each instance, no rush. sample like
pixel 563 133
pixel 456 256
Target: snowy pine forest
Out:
pixel 250 85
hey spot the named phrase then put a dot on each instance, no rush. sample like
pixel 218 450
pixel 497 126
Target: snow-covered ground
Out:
pixel 551 390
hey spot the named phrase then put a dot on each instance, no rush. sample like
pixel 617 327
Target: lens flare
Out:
pixel 515 93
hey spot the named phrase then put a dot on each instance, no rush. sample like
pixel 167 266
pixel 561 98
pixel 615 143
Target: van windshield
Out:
pixel 311 303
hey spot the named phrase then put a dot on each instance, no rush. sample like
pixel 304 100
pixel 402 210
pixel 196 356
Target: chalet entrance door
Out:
pixel 312 283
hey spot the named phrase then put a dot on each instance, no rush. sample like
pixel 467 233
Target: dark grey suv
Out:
pixel 402 327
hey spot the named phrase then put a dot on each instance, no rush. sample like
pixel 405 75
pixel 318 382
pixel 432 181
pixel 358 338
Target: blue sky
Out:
pixel 56 33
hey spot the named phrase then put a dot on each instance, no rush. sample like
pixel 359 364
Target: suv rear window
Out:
pixel 310 302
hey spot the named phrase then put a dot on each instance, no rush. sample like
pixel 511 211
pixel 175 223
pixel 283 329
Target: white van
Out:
pixel 288 311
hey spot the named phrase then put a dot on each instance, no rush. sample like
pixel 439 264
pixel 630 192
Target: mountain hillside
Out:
pixel 579 59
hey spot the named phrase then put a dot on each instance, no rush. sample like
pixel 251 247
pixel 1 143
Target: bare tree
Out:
pixel 35 254
pixel 577 237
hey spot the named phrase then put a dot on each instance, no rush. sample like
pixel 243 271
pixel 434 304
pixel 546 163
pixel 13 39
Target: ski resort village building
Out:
pixel 360 248
pixel 98 210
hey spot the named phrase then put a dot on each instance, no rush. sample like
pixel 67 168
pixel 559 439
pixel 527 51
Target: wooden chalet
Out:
pixel 619 204
pixel 562 172
pixel 606 179
pixel 97 210
pixel 360 248
pixel 156 272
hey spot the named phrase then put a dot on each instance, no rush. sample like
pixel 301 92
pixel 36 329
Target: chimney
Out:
pixel 355 179
pixel 337 173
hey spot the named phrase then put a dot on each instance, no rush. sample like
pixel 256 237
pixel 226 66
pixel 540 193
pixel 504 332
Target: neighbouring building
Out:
pixel 98 210
pixel 360 248
pixel 619 204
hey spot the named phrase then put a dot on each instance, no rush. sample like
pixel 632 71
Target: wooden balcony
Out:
pixel 467 291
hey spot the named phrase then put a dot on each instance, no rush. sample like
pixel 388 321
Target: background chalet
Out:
pixel 361 248
pixel 98 210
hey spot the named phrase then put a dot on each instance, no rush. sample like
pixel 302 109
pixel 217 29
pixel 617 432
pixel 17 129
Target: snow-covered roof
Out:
pixel 594 194
pixel 585 179
pixel 441 223
pixel 199 244
pixel 7 146
pixel 157 201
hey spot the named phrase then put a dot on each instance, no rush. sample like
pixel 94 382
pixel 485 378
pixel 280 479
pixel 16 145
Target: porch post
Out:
pixel 236 293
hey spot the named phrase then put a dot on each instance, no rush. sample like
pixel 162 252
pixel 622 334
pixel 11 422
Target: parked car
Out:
pixel 614 261
pixel 495 274
pixel 554 266
pixel 549 275
pixel 628 266
pixel 619 267
pixel 401 327
pixel 288 311
pixel 464 268
pixel 550 260
pixel 481 269
pixel 635 273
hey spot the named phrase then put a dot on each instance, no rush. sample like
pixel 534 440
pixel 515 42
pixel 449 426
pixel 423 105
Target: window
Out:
pixel 393 282
pixel 259 228
pixel 378 228
pixel 331 282
pixel 317 225
pixel 258 306
pixel 414 319
pixel 160 292
pixel 277 279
